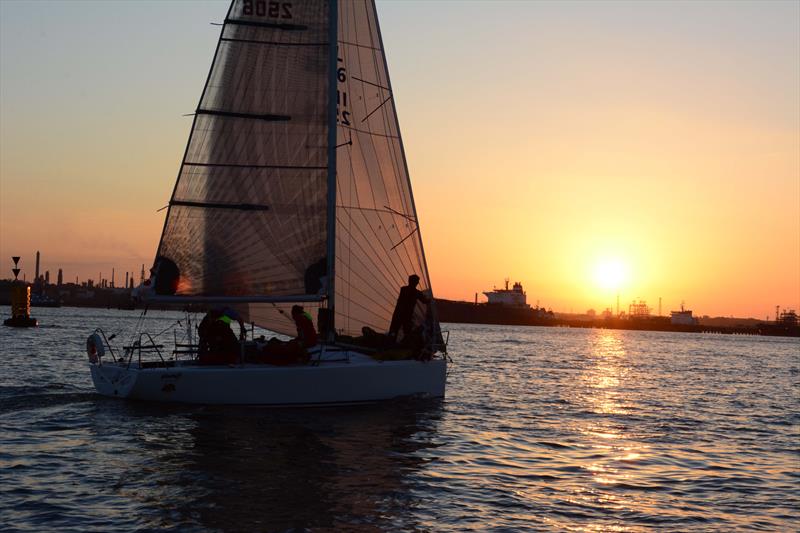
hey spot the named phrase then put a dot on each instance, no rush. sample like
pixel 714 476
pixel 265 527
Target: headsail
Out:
pixel 248 213
pixel 378 243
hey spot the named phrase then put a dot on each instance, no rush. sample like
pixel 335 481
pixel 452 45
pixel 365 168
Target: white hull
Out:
pixel 360 379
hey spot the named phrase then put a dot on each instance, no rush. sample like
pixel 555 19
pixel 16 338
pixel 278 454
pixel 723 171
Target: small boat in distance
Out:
pixel 293 190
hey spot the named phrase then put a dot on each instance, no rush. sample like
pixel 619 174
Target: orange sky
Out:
pixel 542 138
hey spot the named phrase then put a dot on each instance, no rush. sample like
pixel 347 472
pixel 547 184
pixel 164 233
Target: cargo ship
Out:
pixel 504 306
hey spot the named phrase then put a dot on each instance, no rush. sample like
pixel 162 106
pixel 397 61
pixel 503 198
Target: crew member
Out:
pixel 404 309
pixel 218 343
pixel 306 333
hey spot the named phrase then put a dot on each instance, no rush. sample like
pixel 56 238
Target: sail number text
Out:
pixel 342 111
pixel 263 8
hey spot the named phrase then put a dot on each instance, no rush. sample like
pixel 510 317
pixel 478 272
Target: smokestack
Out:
pixel 126 280
pixel 37 265
pixel 112 278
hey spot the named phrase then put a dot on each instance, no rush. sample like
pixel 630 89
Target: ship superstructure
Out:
pixel 513 297
pixel 683 317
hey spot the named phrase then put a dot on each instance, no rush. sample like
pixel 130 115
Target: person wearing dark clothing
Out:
pixel 404 309
pixel 218 343
pixel 306 334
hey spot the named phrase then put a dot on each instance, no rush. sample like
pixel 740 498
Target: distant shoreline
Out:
pixel 470 313
pixel 449 311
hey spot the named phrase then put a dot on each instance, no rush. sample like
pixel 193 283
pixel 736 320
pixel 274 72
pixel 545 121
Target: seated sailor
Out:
pixel 218 343
pixel 306 334
pixel 295 351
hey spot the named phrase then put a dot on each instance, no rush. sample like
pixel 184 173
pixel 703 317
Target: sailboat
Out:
pixel 293 190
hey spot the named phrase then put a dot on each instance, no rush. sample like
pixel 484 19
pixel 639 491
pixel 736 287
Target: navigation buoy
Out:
pixel 20 302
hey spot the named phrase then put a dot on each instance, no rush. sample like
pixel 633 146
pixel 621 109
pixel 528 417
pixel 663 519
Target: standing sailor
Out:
pixel 404 309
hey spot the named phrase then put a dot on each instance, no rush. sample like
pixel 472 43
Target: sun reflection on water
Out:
pixel 613 457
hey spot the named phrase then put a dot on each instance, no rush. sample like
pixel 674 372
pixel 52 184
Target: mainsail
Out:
pixel 249 217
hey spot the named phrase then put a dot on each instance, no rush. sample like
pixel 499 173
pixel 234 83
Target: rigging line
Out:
pixel 368 132
pixel 371 83
pixel 348 43
pixel 380 106
pixel 404 238
pixel 159 210
pixel 388 210
pixel 370 312
pixel 390 284
pixel 381 284
pixel 379 255
pixel 407 217
pixel 375 283
pixel 345 144
pixel 385 306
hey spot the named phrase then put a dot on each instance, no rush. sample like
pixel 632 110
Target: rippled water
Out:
pixel 542 429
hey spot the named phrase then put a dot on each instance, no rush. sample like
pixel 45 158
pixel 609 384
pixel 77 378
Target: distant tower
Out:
pixel 37 265
pixel 112 278
pixel 60 277
pixel 126 279
pixel 47 277
pixel 141 279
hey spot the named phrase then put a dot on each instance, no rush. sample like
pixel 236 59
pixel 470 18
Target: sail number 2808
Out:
pixel 263 8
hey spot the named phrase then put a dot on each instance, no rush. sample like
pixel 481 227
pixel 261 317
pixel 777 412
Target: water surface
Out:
pixel 542 429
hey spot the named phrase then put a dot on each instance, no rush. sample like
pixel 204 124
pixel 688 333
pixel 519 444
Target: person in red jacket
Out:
pixel 306 333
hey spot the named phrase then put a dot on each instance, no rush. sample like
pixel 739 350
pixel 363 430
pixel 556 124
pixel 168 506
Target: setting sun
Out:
pixel 610 274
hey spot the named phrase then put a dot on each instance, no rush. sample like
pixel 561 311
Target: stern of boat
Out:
pixel 113 379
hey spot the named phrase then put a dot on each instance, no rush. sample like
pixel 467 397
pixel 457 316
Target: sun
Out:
pixel 610 274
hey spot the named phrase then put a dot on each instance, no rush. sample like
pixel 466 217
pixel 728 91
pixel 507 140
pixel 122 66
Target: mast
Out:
pixel 333 87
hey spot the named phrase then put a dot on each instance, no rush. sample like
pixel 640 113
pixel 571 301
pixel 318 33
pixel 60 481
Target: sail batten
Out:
pixel 233 114
pixel 270 25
